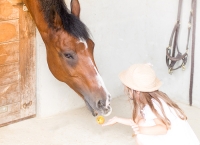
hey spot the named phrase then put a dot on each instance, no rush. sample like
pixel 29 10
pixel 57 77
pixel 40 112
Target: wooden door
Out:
pixel 17 63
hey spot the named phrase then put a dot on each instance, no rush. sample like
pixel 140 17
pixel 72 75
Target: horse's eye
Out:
pixel 68 55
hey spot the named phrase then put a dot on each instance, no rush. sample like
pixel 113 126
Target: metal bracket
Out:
pixel 170 71
pixel 183 66
pixel 3 109
pixel 27 105
pixel 25 8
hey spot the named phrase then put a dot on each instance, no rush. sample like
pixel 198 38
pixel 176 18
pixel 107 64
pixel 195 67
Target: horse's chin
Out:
pixel 96 112
pixel 100 112
pixel 108 113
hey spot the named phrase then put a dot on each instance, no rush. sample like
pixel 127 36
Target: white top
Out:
pixel 179 134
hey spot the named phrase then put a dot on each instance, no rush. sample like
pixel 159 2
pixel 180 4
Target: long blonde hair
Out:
pixel 147 98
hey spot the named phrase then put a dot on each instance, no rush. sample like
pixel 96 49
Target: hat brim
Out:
pixel 126 79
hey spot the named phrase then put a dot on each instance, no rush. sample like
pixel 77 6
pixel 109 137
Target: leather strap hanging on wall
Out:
pixel 171 59
pixel 192 51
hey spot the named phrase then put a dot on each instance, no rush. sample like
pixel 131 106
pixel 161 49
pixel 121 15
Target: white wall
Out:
pixel 125 32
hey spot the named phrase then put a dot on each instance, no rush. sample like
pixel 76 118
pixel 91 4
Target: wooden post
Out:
pixel 15 2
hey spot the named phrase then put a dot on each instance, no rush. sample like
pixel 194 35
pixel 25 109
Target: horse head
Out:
pixel 70 53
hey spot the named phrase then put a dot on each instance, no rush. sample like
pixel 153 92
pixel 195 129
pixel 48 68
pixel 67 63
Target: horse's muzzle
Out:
pixel 99 109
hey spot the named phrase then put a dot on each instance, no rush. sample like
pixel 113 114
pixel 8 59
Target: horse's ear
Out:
pixel 91 46
pixel 55 20
pixel 75 8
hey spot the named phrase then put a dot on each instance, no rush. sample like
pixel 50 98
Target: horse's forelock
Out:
pixel 70 23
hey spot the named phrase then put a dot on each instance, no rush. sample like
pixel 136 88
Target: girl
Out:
pixel 157 120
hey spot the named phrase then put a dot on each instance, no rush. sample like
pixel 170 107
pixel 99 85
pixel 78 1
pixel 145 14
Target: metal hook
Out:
pixel 170 71
pixel 27 105
pixel 183 66
pixel 169 47
pixel 25 8
pixel 189 25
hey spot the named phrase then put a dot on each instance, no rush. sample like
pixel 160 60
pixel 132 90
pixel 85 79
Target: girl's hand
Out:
pixel 123 121
pixel 135 129
pixel 111 121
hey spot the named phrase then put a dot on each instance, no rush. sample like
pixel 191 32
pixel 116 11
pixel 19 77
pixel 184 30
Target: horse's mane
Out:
pixel 70 23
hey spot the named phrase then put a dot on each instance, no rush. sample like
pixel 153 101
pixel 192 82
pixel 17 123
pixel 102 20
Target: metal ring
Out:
pixel 170 71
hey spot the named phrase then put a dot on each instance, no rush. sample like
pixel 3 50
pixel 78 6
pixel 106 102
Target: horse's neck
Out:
pixel 34 8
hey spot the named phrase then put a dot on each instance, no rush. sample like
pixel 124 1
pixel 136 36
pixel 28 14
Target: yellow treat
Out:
pixel 100 120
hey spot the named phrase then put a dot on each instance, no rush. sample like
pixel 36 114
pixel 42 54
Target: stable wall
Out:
pixel 125 32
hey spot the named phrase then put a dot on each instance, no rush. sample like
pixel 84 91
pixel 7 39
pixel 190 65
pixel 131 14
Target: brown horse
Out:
pixel 70 51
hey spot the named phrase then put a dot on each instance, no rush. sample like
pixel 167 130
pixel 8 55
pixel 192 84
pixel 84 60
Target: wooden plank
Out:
pixel 9 59
pixel 13 98
pixel 17 66
pixel 4 69
pixel 8 11
pixel 9 53
pixel 12 108
pixel 17 120
pixel 11 117
pixel 27 63
pixel 9 79
pixel 15 2
pixel 9 31
pixel 4 100
pixel 9 48
pixel 8 89
pixel 10 99
pixel 10 74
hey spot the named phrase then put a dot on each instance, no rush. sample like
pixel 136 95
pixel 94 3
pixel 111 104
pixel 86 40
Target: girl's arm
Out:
pixel 124 121
pixel 158 129
pixel 119 120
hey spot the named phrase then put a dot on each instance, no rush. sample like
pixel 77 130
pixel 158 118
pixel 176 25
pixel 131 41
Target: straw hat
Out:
pixel 140 77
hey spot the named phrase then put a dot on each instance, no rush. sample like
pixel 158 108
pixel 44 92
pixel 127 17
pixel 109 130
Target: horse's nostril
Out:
pixel 109 97
pixel 100 104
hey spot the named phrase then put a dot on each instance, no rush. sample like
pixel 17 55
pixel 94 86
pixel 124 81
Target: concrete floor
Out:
pixel 79 127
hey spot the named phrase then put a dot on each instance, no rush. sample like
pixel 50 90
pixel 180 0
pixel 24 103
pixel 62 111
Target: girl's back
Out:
pixel 180 133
